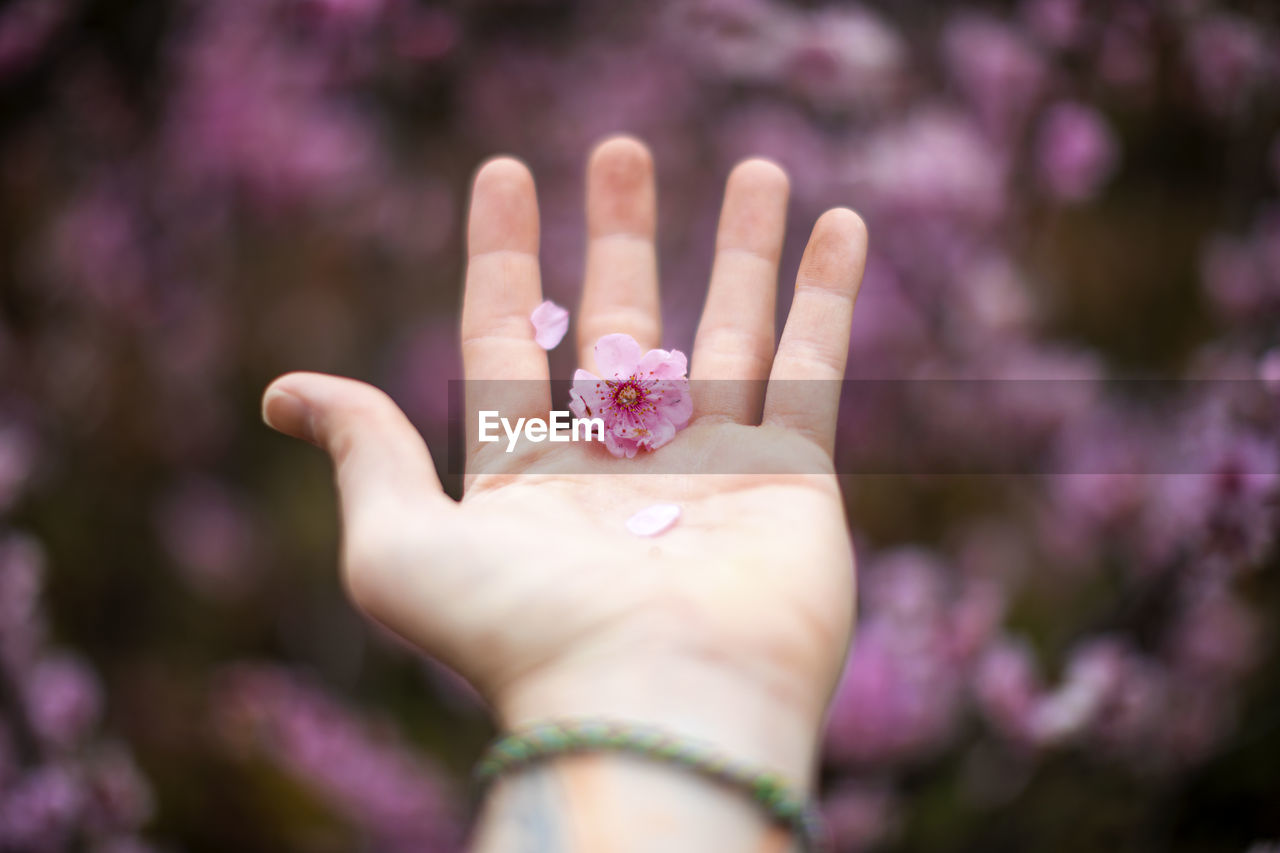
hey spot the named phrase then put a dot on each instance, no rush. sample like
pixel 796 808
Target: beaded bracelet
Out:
pixel 548 740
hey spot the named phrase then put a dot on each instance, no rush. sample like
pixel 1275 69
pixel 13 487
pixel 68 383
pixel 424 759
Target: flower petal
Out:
pixel 661 433
pixel 550 322
pixel 618 445
pixel 579 407
pixel 663 364
pixel 674 401
pixel 617 356
pixel 654 520
pixel 588 394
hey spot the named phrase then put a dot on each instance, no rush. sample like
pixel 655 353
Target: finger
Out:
pixel 382 466
pixel 735 337
pixel 804 385
pixel 621 289
pixel 506 370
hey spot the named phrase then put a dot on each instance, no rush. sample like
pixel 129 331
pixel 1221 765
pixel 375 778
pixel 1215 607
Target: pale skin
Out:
pixel 731 628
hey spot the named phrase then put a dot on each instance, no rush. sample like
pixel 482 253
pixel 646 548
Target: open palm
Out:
pixel 531 586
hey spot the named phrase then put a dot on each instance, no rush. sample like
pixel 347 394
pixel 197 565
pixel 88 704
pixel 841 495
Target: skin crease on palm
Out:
pixel 732 626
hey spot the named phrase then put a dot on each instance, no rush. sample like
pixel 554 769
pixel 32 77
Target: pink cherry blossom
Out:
pixel 653 520
pixel 642 397
pixel 550 322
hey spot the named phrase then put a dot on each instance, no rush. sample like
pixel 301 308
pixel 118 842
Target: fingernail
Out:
pixel 288 413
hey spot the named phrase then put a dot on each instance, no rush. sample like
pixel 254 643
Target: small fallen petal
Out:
pixel 550 322
pixel 653 520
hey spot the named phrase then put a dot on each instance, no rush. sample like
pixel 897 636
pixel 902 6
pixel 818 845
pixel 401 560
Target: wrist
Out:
pixel 757 718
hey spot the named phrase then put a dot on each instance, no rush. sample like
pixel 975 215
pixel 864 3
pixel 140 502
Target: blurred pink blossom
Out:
pixel 251 108
pixel 40 811
pixel 899 697
pixel 22 571
pixel 996 68
pixel 993 299
pixel 1269 369
pixel 420 372
pixel 368 774
pixel 63 699
pixel 1229 58
pixel 1216 635
pixel 781 134
pixel 1057 23
pixel 347 12
pixel 843 57
pixel 1077 151
pixel 125 844
pixel 1094 674
pixel 1007 688
pixel 859 815
pixel 1235 278
pixel 425 34
pixel 119 797
pixel 26 28
pixel 97 249
pixel 18 450
pixel 735 39
pixel 1131 727
pixel 933 162
pixel 209 535
pixel 1219 501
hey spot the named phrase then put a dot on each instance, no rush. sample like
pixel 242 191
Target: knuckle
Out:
pixel 753 347
pixel 636 322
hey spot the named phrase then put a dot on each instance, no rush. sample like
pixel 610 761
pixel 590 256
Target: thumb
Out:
pixel 377 453
pixel 382 466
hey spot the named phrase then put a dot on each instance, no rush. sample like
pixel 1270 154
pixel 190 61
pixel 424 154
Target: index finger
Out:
pixel 503 287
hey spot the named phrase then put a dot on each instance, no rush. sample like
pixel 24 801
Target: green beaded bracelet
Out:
pixel 548 740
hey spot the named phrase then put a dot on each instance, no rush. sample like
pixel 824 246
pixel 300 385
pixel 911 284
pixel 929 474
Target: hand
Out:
pixel 732 626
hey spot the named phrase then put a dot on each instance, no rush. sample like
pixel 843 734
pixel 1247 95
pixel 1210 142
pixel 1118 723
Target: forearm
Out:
pixel 615 802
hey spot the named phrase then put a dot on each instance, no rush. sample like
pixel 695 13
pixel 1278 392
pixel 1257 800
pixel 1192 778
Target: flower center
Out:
pixel 629 394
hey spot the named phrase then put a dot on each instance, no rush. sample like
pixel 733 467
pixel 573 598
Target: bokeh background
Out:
pixel 196 196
